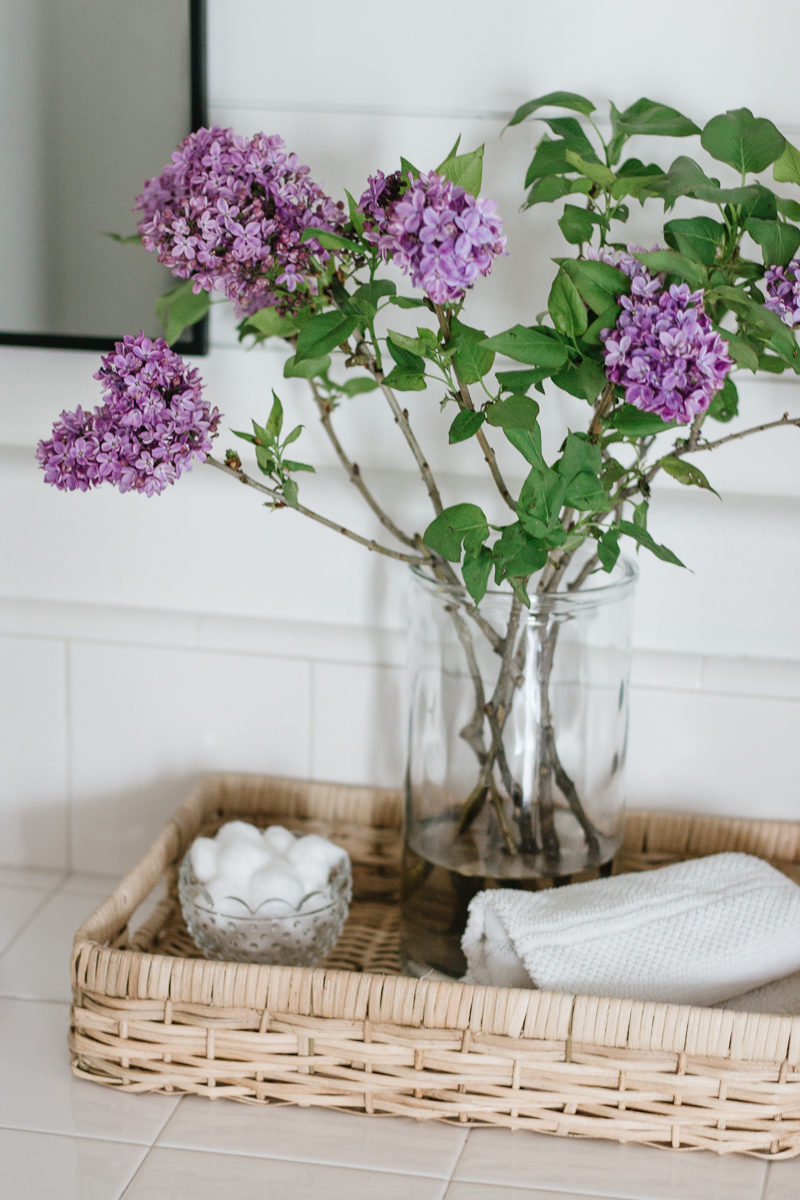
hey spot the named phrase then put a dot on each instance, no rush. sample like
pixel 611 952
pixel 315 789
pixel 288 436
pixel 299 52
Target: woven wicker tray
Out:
pixel 148 1015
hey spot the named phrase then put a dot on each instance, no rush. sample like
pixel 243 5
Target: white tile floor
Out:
pixel 65 1139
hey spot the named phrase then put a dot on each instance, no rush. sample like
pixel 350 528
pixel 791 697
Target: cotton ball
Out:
pixel 238 831
pixel 276 882
pixel 203 857
pixel 278 839
pixel 238 861
pixel 315 858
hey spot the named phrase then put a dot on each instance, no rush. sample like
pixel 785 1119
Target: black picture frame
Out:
pixel 194 340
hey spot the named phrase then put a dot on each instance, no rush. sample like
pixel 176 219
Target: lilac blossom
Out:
pixel 435 231
pixel 229 213
pixel 152 424
pixel 663 349
pixel 783 292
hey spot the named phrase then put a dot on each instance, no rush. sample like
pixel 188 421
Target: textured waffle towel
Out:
pixel 698 932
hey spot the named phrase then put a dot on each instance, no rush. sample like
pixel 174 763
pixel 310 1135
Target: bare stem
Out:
pixel 480 436
pixel 277 498
pixel 401 420
pixel 679 451
pixel 353 470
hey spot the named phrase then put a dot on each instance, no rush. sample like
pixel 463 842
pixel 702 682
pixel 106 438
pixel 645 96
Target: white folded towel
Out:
pixel 697 932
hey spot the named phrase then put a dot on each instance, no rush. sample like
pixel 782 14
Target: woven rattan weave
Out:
pixel 352 1033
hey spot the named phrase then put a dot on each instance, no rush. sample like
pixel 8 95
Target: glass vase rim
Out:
pixel 610 589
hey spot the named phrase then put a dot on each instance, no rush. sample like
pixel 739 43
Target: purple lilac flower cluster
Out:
pixel 229 213
pixel 664 350
pixel 783 292
pixel 153 423
pixel 435 231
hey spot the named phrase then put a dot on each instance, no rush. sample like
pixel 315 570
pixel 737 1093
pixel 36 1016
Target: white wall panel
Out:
pixel 204 590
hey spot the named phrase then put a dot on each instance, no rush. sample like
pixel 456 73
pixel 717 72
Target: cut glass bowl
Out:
pixel 277 932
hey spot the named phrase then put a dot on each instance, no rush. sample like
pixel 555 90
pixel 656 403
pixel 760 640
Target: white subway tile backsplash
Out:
pixel 442 58
pixel 706 753
pixel 33 752
pixel 148 721
pixel 358 724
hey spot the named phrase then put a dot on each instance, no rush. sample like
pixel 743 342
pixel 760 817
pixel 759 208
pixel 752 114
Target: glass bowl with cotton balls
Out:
pixel 265 896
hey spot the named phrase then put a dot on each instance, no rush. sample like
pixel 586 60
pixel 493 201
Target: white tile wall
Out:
pixel 142 643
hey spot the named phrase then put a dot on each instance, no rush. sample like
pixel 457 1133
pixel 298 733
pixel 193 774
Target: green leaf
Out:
pixel 465 424
pixel 289 465
pixel 741 351
pixel 265 460
pixel 763 205
pixel 567 310
pixel 745 142
pixel 520 381
pixel 786 168
pixel 569 100
pixel 541 499
pixel 696 238
pixel 413 345
pixel 515 412
pixel 548 189
pixel 459 525
pixel 549 158
pixel 788 208
pixel 409 362
pixel 324 332
pixel 267 322
pixel 530 345
pixel 777 239
pixel 289 490
pixel 364 300
pixel 578 224
pixel 359 385
pixel 580 465
pixel 357 218
pixel 124 239
pixel 608 549
pixel 333 241
pixel 686 473
pixel 407 302
pixel 670 262
pixel 603 176
pixel 275 419
pixel 725 405
pixel 472 358
pixel 598 283
pixel 403 380
pixel 634 423
pixel 464 170
pixel 529 444
pixel 475 573
pixel 573 134
pixel 607 319
pixel 644 539
pixel 584 379
pixel 686 178
pixel 517 553
pixel 306 368
pixel 179 308
pixel 648 116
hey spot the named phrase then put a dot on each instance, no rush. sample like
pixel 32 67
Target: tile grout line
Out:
pixel 47 896
pixel 127 1187
pixel 68 763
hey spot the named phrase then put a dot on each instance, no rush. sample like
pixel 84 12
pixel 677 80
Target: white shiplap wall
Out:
pixel 144 642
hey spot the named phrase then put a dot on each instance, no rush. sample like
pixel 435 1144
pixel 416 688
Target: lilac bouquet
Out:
pixel 651 340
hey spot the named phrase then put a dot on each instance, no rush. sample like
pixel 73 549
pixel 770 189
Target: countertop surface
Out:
pixel 65 1139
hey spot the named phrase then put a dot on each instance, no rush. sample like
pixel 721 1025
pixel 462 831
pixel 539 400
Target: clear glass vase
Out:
pixel 517 734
